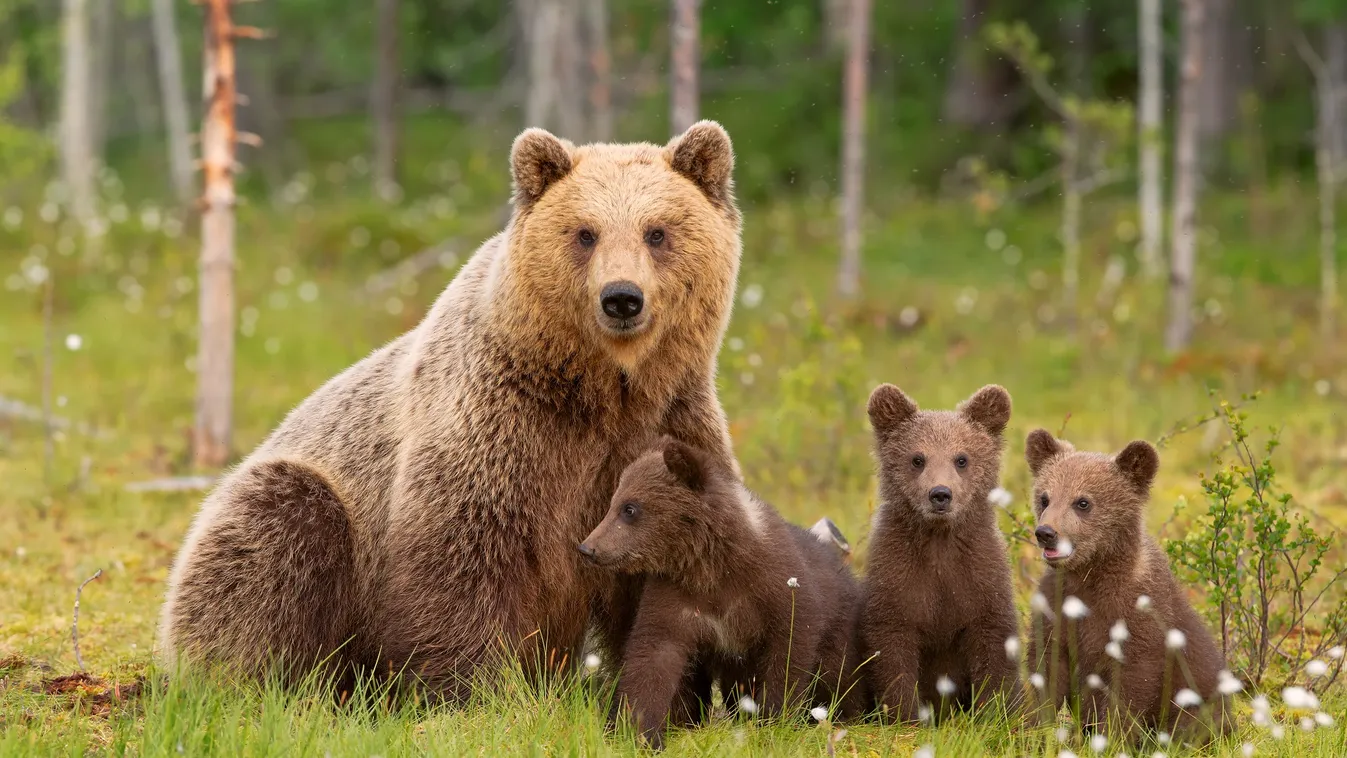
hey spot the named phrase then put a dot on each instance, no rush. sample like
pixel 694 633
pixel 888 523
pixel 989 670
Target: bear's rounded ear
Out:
pixel 989 408
pixel 685 464
pixel 705 156
pixel 1039 446
pixel 1138 462
pixel 889 407
pixel 537 161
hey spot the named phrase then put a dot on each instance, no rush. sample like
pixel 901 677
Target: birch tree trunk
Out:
pixel 686 57
pixel 1151 191
pixel 1183 250
pixel 383 98
pixel 1070 231
pixel 215 357
pixel 102 18
pixel 1328 161
pixel 542 19
pixel 168 55
pixel 600 71
pixel 76 134
pixel 853 147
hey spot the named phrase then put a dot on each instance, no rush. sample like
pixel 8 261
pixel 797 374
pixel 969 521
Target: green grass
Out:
pixel 794 377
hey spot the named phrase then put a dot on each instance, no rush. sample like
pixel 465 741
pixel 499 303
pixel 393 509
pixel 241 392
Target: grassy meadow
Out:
pixel 954 299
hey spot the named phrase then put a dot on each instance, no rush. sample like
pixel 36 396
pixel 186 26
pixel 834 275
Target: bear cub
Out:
pixel 766 608
pixel 938 599
pixel 1124 613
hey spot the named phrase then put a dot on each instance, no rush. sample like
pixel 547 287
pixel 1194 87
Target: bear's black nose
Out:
pixel 622 300
pixel 940 497
pixel 586 550
pixel 1046 536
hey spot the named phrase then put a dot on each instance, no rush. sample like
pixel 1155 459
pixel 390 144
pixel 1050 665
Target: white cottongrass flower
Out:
pixel 1278 732
pixel 1227 684
pixel 819 713
pixel 752 296
pixel 592 661
pixel 1247 750
pixel 748 705
pixel 1162 738
pixel 793 583
pixel 1066 754
pixel 1299 698
pixel 1158 754
pixel 1260 704
pixel 1074 608
pixel 925 751
pixel 1064 548
pixel 1062 734
pixel 1261 718
pixel 1175 639
pixel 1335 652
pixel 1186 698
pixel 1323 719
pixel 923 713
pixel 1307 724
pixel 1094 682
pixel 944 685
pixel 1037 681
pixel 73 341
pixel 1118 632
pixel 1316 668
pixel 1114 651
pixel 1000 497
pixel 1039 604
pixel 1012 648
pixel 1098 742
pixel 1143 602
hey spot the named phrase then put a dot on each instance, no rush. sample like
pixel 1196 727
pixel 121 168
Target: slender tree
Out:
pixel 383 97
pixel 600 71
pixel 686 56
pixel 168 55
pixel 542 18
pixel 1150 190
pixel 77 139
pixel 1183 236
pixel 1328 160
pixel 853 147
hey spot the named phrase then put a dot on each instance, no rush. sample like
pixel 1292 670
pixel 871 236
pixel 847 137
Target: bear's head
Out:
pixel 664 518
pixel 1087 504
pixel 632 245
pixel 937 465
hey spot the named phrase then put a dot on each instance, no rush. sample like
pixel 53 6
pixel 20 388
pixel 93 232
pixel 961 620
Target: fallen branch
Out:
pixel 172 484
pixel 10 408
pixel 443 254
pixel 75 627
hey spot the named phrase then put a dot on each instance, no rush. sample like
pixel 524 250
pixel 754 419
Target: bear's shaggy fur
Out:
pixel 1091 525
pixel 718 597
pixel 423 507
pixel 938 597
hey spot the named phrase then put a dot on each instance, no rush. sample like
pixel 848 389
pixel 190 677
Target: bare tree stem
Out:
pixel 75 625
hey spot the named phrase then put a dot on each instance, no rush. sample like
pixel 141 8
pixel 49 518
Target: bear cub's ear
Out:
pixel 1041 446
pixel 704 155
pixel 889 407
pixel 1138 462
pixel 989 408
pixel 685 464
pixel 537 161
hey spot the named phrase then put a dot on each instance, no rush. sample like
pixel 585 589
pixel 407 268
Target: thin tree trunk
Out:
pixel 77 149
pixel 1328 160
pixel 600 71
pixel 853 147
pixel 168 54
pixel 102 18
pixel 1183 251
pixel 215 361
pixel 973 97
pixel 686 60
pixel 571 65
pixel 544 19
pixel 1151 190
pixel 383 97
pixel 1070 230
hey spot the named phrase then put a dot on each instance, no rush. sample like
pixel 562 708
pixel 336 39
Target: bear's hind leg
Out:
pixel 267 582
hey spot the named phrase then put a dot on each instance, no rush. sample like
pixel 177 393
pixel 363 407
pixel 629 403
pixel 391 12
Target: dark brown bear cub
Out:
pixel 766 607
pixel 1108 593
pixel 938 604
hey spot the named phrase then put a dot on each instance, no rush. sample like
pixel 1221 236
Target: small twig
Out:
pixel 172 484
pixel 75 627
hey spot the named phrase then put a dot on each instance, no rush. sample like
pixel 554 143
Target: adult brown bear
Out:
pixel 422 508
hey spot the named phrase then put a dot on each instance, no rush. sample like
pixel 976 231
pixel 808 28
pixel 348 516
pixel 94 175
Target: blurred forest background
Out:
pixel 1125 211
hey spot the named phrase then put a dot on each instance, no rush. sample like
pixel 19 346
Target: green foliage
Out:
pixel 1262 564
pixel 23 152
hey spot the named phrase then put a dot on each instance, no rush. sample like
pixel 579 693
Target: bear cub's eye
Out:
pixel 1083 504
pixel 630 511
pixel 918 461
pixel 588 238
pixel 1043 502
pixel 961 461
pixel 654 237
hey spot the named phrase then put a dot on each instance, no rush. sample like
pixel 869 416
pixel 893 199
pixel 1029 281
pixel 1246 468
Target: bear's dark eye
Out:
pixel 961 461
pixel 630 511
pixel 588 237
pixel 654 237
pixel 918 461
pixel 1043 502
pixel 1082 504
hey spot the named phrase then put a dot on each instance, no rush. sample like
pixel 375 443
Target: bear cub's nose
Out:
pixel 622 300
pixel 940 497
pixel 586 550
pixel 1046 536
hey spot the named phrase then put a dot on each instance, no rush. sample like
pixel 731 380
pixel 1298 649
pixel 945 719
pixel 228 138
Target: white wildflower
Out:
pixel 1278 732
pixel 908 316
pixel 925 751
pixel 923 713
pixel 1012 648
pixel 1260 704
pixel 1114 651
pixel 1039 604
pixel 793 583
pixel 1098 742
pixel 1064 548
pixel 1094 682
pixel 1299 698
pixel 1175 639
pixel 1118 632
pixel 752 296
pixel 1335 652
pixel 945 686
pixel 819 713
pixel 1227 684
pixel 1000 497
pixel 1316 668
pixel 1307 724
pixel 1247 750
pixel 1186 698
pixel 1037 681
pixel 1323 719
pixel 1143 602
pixel 1062 734
pixel 73 341
pixel 1162 738
pixel 1074 608
pixel 747 705
pixel 592 661
pixel 1066 754
pixel 735 343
